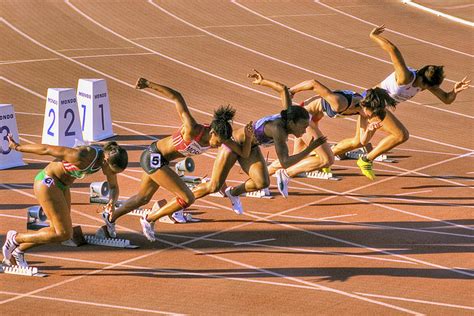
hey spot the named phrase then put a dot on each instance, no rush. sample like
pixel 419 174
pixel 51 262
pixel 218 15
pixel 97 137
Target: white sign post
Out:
pixel 9 158
pixel 61 125
pixel 94 109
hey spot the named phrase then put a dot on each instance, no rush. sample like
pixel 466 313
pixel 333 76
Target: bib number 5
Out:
pixel 155 160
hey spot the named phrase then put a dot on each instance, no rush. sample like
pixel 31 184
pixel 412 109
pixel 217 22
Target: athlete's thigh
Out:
pixel 255 165
pixel 224 161
pixel 55 205
pixel 170 180
pixel 391 124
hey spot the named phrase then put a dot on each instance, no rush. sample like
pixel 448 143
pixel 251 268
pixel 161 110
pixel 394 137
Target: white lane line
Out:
pixel 426 151
pixel 302 250
pixel 437 13
pixel 416 301
pixel 300 15
pixel 166 37
pixel 253 242
pixel 91 48
pixel 234 25
pixel 343 48
pixel 114 306
pixel 392 31
pixel 328 219
pixel 12 62
pixel 411 193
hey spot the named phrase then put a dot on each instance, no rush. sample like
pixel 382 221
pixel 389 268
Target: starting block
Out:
pixel 356 154
pixel 179 217
pixel 61 125
pixel 191 181
pixel 28 271
pixel 36 218
pixel 8 158
pixel 99 193
pixel 145 211
pixel 109 242
pixel 319 175
pixel 94 109
pixel 261 194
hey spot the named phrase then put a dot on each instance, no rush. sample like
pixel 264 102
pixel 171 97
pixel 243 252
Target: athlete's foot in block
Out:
pixel 235 200
pixel 9 246
pixel 110 225
pixel 142 83
pixel 148 229
pixel 326 170
pixel 18 258
pixel 366 168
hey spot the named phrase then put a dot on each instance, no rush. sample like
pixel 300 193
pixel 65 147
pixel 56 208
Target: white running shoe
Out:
pixel 148 229
pixel 235 200
pixel 8 247
pixel 282 182
pixel 178 216
pixel 110 225
pixel 19 257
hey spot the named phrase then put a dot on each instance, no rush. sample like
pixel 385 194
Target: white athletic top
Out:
pixel 400 93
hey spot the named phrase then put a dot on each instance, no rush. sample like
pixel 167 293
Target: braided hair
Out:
pixel 118 157
pixel 377 100
pixel 222 120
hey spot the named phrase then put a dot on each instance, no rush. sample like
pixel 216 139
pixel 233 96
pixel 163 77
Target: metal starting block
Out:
pixel 26 271
pixel 356 154
pixel 191 181
pixel 109 242
pixel 319 175
pixel 179 217
pixel 145 211
pixel 99 193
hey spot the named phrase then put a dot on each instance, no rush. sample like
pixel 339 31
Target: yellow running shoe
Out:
pixel 366 168
pixel 326 170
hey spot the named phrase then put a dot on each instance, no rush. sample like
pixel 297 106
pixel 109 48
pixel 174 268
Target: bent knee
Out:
pixel 142 199
pixel 262 183
pixel 188 198
pixel 402 136
pixel 214 186
pixel 62 235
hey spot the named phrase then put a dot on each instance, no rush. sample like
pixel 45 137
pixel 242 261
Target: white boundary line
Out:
pixel 392 31
pixel 437 13
pixel 416 301
pixel 114 306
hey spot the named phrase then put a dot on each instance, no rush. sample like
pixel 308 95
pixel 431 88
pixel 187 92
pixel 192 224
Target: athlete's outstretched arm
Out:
pixel 188 121
pixel 449 97
pixel 72 155
pixel 285 95
pixel 402 73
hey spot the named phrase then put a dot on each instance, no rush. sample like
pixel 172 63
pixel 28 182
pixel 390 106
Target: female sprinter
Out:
pixel 51 188
pixel 370 109
pixel 191 139
pixel 268 131
pixel 402 85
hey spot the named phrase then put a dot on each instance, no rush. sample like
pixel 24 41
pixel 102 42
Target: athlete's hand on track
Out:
pixel 378 30
pixel 461 85
pixel 11 142
pixel 257 77
pixel 249 129
pixel 142 83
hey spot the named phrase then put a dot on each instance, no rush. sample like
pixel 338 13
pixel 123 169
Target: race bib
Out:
pixel 155 160
pixel 48 181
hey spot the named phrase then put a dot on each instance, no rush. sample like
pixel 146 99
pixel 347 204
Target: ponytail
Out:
pixel 222 122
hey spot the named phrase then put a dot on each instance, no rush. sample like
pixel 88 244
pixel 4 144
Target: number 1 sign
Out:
pixel 94 109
